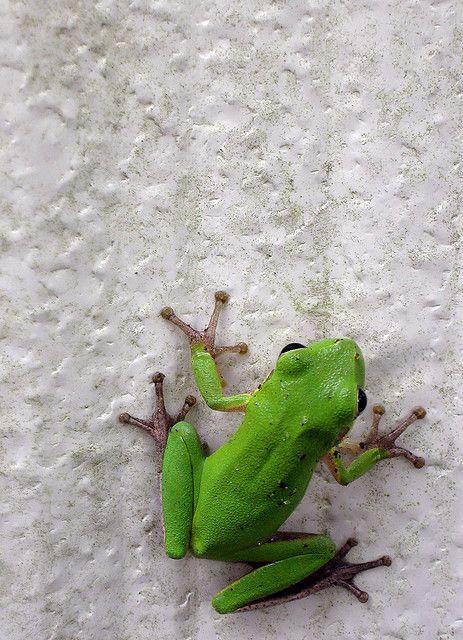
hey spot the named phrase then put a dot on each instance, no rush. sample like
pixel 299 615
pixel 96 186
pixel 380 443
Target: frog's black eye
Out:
pixel 291 346
pixel 361 400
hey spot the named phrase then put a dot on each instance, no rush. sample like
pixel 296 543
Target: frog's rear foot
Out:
pixel 161 421
pixel 206 337
pixel 338 572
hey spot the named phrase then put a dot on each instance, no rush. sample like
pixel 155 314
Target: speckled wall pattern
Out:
pixel 305 157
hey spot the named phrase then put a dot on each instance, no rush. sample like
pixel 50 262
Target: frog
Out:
pixel 229 505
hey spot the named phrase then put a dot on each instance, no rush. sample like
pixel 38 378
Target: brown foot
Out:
pixel 161 421
pixel 335 573
pixel 206 337
pixel 387 442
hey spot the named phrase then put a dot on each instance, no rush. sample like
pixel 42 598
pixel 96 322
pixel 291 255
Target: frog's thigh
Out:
pixel 289 562
pixel 181 477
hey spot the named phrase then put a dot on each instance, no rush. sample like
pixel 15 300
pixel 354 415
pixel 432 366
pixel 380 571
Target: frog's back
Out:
pixel 253 482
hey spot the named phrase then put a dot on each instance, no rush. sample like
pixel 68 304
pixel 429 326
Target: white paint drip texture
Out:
pixel 305 157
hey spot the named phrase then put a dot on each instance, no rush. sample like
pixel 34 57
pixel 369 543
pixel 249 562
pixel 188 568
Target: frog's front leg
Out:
pixel 373 449
pixel 182 462
pixel 292 566
pixel 203 355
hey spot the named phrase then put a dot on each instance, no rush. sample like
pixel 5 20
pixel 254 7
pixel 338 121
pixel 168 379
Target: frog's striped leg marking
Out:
pixel 335 572
pixel 374 448
pixel 182 461
pixel 204 353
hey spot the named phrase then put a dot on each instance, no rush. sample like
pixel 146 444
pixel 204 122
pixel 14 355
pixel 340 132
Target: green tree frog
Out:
pixel 230 505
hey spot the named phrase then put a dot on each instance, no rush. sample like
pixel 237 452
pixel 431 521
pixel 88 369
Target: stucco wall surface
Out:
pixel 305 157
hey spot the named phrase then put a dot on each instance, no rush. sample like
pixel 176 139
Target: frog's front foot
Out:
pixel 161 421
pixel 206 337
pixel 387 443
pixel 337 572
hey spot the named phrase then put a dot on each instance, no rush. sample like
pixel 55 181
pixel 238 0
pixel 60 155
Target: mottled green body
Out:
pixel 230 505
pixel 253 482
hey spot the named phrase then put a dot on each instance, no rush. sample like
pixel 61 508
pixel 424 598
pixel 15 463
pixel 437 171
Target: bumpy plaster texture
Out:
pixel 304 156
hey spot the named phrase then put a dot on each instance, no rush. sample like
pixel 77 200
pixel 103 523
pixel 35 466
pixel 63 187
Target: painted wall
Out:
pixel 305 157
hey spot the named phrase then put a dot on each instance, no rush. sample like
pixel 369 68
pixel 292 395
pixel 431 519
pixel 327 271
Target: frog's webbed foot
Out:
pixel 206 337
pixel 161 421
pixel 337 572
pixel 387 442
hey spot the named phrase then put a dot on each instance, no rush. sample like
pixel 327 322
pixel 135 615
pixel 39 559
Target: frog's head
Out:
pixel 330 377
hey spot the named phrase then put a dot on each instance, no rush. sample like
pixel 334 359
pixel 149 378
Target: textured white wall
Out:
pixel 303 156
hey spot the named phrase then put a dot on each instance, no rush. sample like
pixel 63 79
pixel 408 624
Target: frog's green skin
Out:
pixel 254 481
pixel 230 505
pixel 241 494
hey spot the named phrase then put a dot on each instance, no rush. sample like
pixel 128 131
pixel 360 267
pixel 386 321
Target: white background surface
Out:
pixel 304 156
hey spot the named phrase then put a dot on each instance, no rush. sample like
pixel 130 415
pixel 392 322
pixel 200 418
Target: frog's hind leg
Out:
pixel 182 463
pixel 295 568
pixel 161 421
pixel 337 572
pixel 283 561
pixel 181 479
